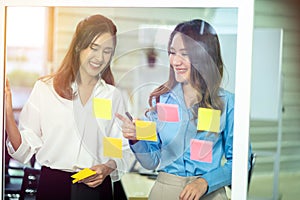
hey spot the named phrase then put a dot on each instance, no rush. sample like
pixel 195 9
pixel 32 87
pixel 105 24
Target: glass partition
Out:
pixel 141 62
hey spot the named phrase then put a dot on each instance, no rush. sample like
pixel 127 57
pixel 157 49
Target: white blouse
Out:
pixel 65 134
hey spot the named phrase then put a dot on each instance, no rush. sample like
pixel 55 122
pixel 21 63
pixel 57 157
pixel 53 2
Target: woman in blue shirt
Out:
pixel 196 70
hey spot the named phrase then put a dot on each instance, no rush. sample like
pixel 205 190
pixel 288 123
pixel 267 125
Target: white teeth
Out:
pixel 94 64
pixel 181 70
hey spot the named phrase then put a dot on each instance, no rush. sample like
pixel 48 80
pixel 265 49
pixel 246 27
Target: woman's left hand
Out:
pixel 102 171
pixel 194 190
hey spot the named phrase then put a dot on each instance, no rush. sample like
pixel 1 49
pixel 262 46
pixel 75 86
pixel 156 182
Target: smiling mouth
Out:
pixel 180 70
pixel 95 65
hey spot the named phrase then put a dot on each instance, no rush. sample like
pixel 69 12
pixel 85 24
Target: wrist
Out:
pixel 111 165
pixel 202 181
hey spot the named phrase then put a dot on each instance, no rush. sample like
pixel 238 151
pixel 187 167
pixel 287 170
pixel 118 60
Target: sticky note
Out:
pixel 167 112
pixel 112 147
pixel 102 108
pixel 86 172
pixel 209 120
pixel 145 130
pixel 201 150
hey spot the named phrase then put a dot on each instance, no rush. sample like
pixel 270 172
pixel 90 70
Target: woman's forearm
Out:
pixel 13 133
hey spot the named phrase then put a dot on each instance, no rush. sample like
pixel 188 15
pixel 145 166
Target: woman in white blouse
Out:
pixel 58 123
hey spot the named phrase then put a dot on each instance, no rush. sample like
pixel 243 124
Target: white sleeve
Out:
pixel 29 127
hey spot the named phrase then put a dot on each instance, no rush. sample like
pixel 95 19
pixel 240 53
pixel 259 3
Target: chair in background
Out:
pixel 253 159
pixel 252 163
pixel 30 183
pixel 21 181
pixel 25 187
pixel 13 182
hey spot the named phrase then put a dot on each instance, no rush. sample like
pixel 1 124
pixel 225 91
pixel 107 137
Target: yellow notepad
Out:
pixel 86 172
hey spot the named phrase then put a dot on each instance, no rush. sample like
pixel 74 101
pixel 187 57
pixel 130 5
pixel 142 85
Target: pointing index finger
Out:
pixel 122 118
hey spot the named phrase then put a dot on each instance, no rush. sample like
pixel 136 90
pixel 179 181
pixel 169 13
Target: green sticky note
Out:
pixel 102 108
pixel 112 147
pixel 145 130
pixel 209 120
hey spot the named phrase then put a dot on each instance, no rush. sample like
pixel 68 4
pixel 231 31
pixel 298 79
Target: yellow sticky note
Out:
pixel 145 130
pixel 209 120
pixel 112 147
pixel 86 172
pixel 102 108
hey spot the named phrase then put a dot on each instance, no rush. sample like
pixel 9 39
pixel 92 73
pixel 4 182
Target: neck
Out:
pixel 190 94
pixel 188 90
pixel 87 80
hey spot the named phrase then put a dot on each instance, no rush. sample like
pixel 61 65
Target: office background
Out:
pixel 268 14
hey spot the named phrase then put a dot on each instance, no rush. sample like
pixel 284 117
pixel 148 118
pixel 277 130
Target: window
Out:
pixel 26 50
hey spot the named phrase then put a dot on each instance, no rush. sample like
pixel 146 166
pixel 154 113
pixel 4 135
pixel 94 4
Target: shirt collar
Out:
pixel 74 86
pixel 177 93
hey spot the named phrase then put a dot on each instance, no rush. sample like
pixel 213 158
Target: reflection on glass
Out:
pixel 141 54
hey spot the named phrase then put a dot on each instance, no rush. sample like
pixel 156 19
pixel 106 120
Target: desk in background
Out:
pixel 136 186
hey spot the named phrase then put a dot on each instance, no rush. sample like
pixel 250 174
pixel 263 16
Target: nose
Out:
pixel 99 55
pixel 176 59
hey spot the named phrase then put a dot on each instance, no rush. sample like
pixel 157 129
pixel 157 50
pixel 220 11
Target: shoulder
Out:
pixel 174 93
pixel 104 90
pixel 228 98
pixel 112 89
pixel 43 84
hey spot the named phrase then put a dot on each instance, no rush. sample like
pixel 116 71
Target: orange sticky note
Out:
pixel 209 120
pixel 112 147
pixel 145 130
pixel 167 112
pixel 201 150
pixel 102 108
pixel 86 172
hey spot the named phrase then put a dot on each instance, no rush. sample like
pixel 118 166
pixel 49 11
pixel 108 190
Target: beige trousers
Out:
pixel 169 186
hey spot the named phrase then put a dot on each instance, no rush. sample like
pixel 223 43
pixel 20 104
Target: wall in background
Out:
pixel 285 15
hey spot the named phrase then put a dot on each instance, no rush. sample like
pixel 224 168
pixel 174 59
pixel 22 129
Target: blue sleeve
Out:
pixel 148 152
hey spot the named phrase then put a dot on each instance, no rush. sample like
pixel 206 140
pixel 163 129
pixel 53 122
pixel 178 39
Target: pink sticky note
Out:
pixel 167 112
pixel 201 150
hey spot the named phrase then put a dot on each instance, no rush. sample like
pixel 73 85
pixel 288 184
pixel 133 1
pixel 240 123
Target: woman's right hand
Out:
pixel 8 101
pixel 128 128
pixel 11 128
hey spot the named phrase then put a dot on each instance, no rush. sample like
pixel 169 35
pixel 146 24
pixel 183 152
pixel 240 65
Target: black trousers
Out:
pixel 57 185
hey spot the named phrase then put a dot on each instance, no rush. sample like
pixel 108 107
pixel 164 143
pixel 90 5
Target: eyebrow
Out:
pixel 183 49
pixel 98 45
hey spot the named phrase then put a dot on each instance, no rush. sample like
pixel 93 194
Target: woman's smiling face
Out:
pixel 97 55
pixel 179 59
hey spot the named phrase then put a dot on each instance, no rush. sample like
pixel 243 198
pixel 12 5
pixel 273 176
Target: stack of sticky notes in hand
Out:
pixel 86 172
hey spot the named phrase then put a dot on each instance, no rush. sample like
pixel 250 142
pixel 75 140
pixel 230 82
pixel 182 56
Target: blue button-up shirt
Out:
pixel 171 153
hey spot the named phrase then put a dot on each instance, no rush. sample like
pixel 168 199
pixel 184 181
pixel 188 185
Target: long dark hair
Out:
pixel 86 31
pixel 202 43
